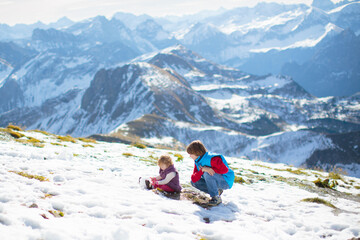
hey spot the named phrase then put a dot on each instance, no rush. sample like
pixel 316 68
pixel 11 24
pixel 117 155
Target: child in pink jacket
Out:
pixel 168 179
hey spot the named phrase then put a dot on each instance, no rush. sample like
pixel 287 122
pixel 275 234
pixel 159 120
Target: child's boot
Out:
pixel 148 184
pixel 216 200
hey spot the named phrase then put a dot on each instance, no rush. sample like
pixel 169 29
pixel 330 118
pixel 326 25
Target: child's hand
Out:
pixel 209 170
pixel 153 180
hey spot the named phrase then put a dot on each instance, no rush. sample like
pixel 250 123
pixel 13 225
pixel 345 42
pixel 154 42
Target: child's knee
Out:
pixel 207 175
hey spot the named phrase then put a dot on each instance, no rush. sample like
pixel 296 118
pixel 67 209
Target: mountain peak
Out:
pixel 323 4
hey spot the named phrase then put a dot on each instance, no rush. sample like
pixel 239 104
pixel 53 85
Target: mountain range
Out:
pixel 137 80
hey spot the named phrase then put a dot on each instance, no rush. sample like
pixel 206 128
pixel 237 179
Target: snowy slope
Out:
pixel 5 70
pixel 92 192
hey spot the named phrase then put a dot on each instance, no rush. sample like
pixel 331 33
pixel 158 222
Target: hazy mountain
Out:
pixel 24 31
pixel 333 69
pixel 264 38
pixel 259 40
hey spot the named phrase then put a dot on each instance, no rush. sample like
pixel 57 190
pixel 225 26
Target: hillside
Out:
pixel 173 95
pixel 86 190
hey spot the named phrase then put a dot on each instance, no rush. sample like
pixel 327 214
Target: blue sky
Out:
pixel 30 11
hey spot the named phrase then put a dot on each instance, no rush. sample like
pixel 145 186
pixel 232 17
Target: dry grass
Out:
pixel 56 214
pixel 12 133
pixel 294 171
pixel 14 127
pixel 318 200
pixel 41 131
pixel 67 138
pixel 139 145
pixel 87 145
pixel 87 140
pixel 31 176
pixel 179 157
pixel 239 179
pixel 327 183
pixel 128 154
pixel 32 141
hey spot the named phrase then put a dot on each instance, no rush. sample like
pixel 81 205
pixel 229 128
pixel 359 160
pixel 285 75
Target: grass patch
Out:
pixel 327 183
pixel 294 171
pixel 87 140
pixel 357 187
pixel 179 157
pixel 239 180
pixel 41 131
pixel 151 160
pixel 13 127
pixel 139 145
pixel 58 144
pixel 318 200
pixel 12 133
pixel 263 166
pixel 56 214
pixel 87 145
pixel 279 178
pixel 47 195
pixel 30 176
pixel 194 196
pixel 292 181
pixel 199 237
pixel 128 154
pixel 67 138
pixel 32 141
pixel 334 175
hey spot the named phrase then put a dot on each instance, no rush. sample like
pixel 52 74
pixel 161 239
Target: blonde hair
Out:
pixel 196 147
pixel 165 159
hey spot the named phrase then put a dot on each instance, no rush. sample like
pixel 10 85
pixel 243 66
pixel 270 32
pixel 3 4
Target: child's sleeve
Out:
pixel 167 179
pixel 196 175
pixel 218 165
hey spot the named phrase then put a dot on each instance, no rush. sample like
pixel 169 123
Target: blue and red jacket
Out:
pixel 218 163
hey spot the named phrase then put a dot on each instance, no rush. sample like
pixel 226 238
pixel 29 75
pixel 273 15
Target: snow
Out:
pixel 97 190
pixel 210 87
pixel 292 152
pixel 28 77
pixel 308 38
pixel 347 6
pixel 4 74
pixel 261 24
pixel 155 77
pixel 74 62
pixel 270 82
pixel 161 140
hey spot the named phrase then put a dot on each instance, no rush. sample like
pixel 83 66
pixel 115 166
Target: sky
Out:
pixel 47 11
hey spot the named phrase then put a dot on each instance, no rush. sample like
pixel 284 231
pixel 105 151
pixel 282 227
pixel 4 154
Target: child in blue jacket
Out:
pixel 212 173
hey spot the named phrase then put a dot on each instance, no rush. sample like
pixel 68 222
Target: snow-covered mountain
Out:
pixel 178 95
pixel 109 75
pixel 261 116
pixel 250 38
pixel 67 188
pixel 259 40
pixel 334 68
pixel 24 31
